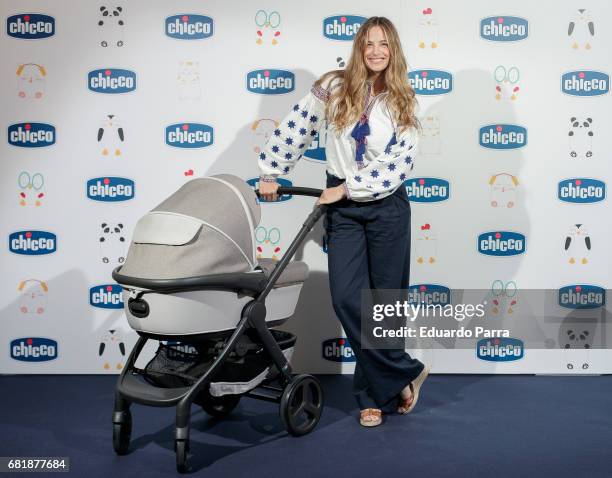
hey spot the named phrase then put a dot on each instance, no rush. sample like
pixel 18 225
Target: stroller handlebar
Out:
pixel 297 191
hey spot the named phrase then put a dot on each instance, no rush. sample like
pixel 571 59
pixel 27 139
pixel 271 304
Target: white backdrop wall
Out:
pixel 508 78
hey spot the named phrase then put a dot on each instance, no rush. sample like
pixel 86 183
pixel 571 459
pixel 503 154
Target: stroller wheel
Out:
pixel 181 447
pixel 217 406
pixel 122 432
pixel 301 405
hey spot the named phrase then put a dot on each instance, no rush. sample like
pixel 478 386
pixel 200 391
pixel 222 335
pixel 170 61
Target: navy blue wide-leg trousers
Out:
pixel 368 247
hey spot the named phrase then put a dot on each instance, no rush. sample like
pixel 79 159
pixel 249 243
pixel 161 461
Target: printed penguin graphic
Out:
pixel 112 243
pixel 33 299
pixel 188 80
pixel 31 81
pixel 267 27
pixel 506 82
pixel 31 189
pixel 111 137
pixel 268 243
pixel 503 190
pixel 112 350
pixel 110 26
pixel 578 245
pixel 581 30
pixel 430 138
pixel 262 131
pixel 426 245
pixel 427 30
pixel 581 137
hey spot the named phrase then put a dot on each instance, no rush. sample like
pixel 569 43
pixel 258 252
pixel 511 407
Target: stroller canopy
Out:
pixel 206 227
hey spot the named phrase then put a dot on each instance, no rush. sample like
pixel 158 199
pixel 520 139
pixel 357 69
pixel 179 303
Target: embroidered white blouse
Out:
pixel 376 173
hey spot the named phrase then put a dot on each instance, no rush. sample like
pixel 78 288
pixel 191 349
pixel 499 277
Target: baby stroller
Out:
pixel 191 281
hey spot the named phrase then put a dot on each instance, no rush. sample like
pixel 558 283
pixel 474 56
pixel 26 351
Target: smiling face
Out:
pixel 376 54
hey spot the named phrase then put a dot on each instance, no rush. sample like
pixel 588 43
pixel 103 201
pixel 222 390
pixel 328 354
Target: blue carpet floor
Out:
pixel 474 425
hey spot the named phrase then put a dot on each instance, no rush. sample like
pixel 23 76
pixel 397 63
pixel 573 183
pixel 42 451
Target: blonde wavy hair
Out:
pixel 346 101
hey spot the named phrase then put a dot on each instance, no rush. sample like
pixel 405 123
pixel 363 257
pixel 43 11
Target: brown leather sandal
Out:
pixel 370 417
pixel 407 405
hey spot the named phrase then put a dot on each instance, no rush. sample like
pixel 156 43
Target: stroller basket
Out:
pixel 181 364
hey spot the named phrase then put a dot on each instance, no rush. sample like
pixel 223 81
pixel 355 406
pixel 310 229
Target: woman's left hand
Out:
pixel 331 195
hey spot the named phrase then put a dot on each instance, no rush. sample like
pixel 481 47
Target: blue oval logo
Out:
pixel 501 243
pixel 427 189
pixel 502 136
pixel 111 81
pixel 106 296
pixel 582 296
pixel 189 26
pixel 270 82
pixel 189 135
pixel 30 26
pixel 581 190
pixel 431 82
pixel 285 183
pixel 34 349
pixel 110 189
pixel 338 350
pixel 32 243
pixel 504 28
pixel 31 135
pixel 342 27
pixel 500 349
pixel 585 83
pixel 429 294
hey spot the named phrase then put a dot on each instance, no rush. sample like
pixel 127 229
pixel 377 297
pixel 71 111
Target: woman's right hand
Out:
pixel 268 190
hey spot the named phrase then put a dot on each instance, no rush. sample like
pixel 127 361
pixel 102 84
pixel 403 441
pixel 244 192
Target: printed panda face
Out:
pixel 577 124
pixel 110 16
pixel 112 232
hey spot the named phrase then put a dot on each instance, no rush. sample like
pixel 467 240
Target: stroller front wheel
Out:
pixel 181 447
pixel 122 433
pixel 301 405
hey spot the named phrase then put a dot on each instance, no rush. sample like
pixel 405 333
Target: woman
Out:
pixel 368 110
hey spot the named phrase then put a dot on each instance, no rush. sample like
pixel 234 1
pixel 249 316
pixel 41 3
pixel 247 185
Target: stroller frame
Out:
pixel 300 395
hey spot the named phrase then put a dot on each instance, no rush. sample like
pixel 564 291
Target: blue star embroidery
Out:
pixel 375 195
pixel 408 160
pixel 289 140
pixel 291 124
pixel 304 113
pixel 402 177
pixel 313 132
pixel 402 143
pixel 288 155
pixel 301 145
pixel 274 164
pixel 391 166
pixel 262 156
pixel 386 183
pixel 303 131
pixel 358 179
pixel 374 173
pixel 313 119
pixel 286 169
pixel 277 132
pixel 296 107
pixel 275 149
